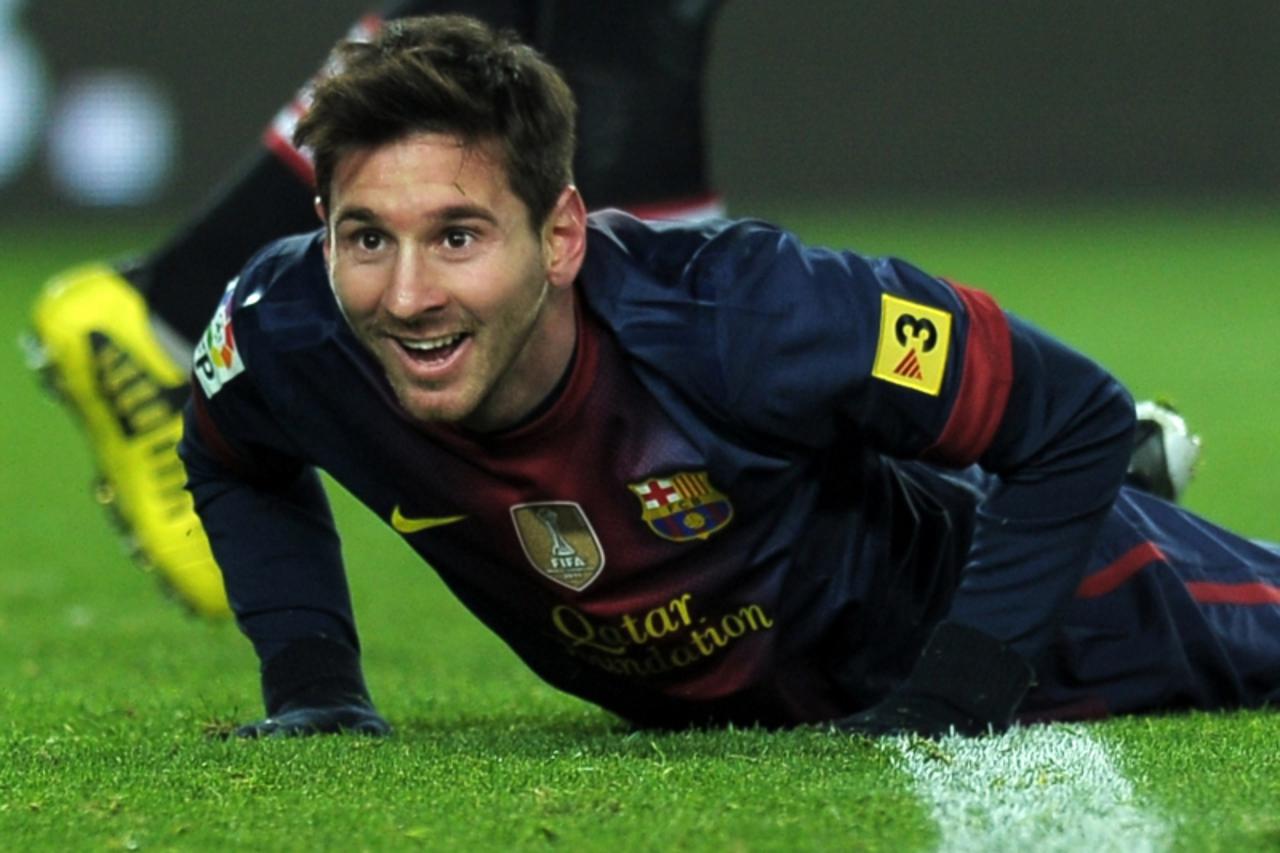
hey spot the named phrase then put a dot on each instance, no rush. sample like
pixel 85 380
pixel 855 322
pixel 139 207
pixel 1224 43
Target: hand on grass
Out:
pixel 339 719
pixel 965 682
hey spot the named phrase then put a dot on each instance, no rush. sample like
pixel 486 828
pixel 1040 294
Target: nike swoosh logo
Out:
pixel 404 524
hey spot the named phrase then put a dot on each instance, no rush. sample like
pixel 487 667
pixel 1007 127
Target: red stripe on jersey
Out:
pixel 1120 570
pixel 1207 592
pixel 984 384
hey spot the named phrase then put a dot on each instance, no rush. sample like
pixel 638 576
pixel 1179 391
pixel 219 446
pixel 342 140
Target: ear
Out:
pixel 564 238
pixel 318 205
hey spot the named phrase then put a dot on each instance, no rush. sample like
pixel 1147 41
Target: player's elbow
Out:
pixel 1112 424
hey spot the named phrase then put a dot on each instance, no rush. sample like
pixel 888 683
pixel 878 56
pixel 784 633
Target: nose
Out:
pixel 413 290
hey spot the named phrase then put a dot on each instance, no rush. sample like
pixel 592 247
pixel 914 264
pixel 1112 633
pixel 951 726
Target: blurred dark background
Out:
pixel 810 101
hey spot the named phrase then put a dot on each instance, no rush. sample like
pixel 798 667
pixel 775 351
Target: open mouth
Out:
pixel 432 351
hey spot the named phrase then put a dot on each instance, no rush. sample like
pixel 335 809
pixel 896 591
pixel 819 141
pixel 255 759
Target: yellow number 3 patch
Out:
pixel 913 346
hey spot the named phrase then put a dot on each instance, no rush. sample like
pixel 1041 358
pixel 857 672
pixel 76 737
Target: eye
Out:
pixel 363 240
pixel 457 238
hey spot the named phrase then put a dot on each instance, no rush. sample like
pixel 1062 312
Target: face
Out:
pixel 465 304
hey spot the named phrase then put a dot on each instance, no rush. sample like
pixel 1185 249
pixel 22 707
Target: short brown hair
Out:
pixel 447 74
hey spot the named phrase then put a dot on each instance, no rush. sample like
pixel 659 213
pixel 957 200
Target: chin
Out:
pixel 433 408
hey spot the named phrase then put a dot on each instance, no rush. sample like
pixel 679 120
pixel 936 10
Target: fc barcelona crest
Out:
pixel 559 541
pixel 682 506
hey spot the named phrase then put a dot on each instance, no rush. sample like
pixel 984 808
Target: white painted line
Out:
pixel 1043 788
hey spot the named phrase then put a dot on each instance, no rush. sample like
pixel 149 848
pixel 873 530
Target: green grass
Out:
pixel 111 699
pixel 1216 776
pixel 488 784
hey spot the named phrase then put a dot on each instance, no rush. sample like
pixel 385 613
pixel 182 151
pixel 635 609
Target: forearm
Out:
pixel 1064 451
pixel 280 560
pixel 1031 546
pixel 284 578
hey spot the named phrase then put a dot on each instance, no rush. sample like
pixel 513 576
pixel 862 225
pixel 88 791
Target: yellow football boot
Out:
pixel 94 345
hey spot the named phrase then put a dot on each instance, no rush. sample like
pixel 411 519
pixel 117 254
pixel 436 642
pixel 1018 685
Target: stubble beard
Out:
pixel 485 398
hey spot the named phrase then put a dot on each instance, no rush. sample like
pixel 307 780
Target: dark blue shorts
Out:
pixel 1175 612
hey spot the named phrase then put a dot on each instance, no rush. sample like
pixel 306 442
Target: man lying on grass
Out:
pixel 694 473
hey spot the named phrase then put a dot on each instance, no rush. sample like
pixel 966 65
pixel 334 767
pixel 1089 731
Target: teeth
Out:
pixel 432 344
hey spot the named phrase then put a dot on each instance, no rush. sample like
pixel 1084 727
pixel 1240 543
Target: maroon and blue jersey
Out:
pixel 768 472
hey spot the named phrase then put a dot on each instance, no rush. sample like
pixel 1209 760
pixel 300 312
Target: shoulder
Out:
pixel 705 306
pixel 762 328
pixel 746 263
pixel 666 249
pixel 283 293
pixel 633 263
pixel 280 300
pixel 281 270
pixel 741 276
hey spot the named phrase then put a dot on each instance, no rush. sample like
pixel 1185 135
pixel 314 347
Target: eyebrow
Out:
pixel 358 214
pixel 451 213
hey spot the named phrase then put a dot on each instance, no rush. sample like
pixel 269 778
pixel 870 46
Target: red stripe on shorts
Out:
pixel 1119 570
pixel 1207 592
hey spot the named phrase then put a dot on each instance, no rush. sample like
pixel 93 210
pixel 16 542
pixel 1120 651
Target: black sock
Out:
pixel 184 279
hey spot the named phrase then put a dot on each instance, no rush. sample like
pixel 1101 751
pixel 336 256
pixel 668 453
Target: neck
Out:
pixel 537 369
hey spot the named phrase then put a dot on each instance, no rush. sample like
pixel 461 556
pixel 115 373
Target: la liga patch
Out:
pixel 216 361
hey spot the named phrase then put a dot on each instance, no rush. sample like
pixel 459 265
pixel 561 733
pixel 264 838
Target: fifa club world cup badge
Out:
pixel 682 506
pixel 559 541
